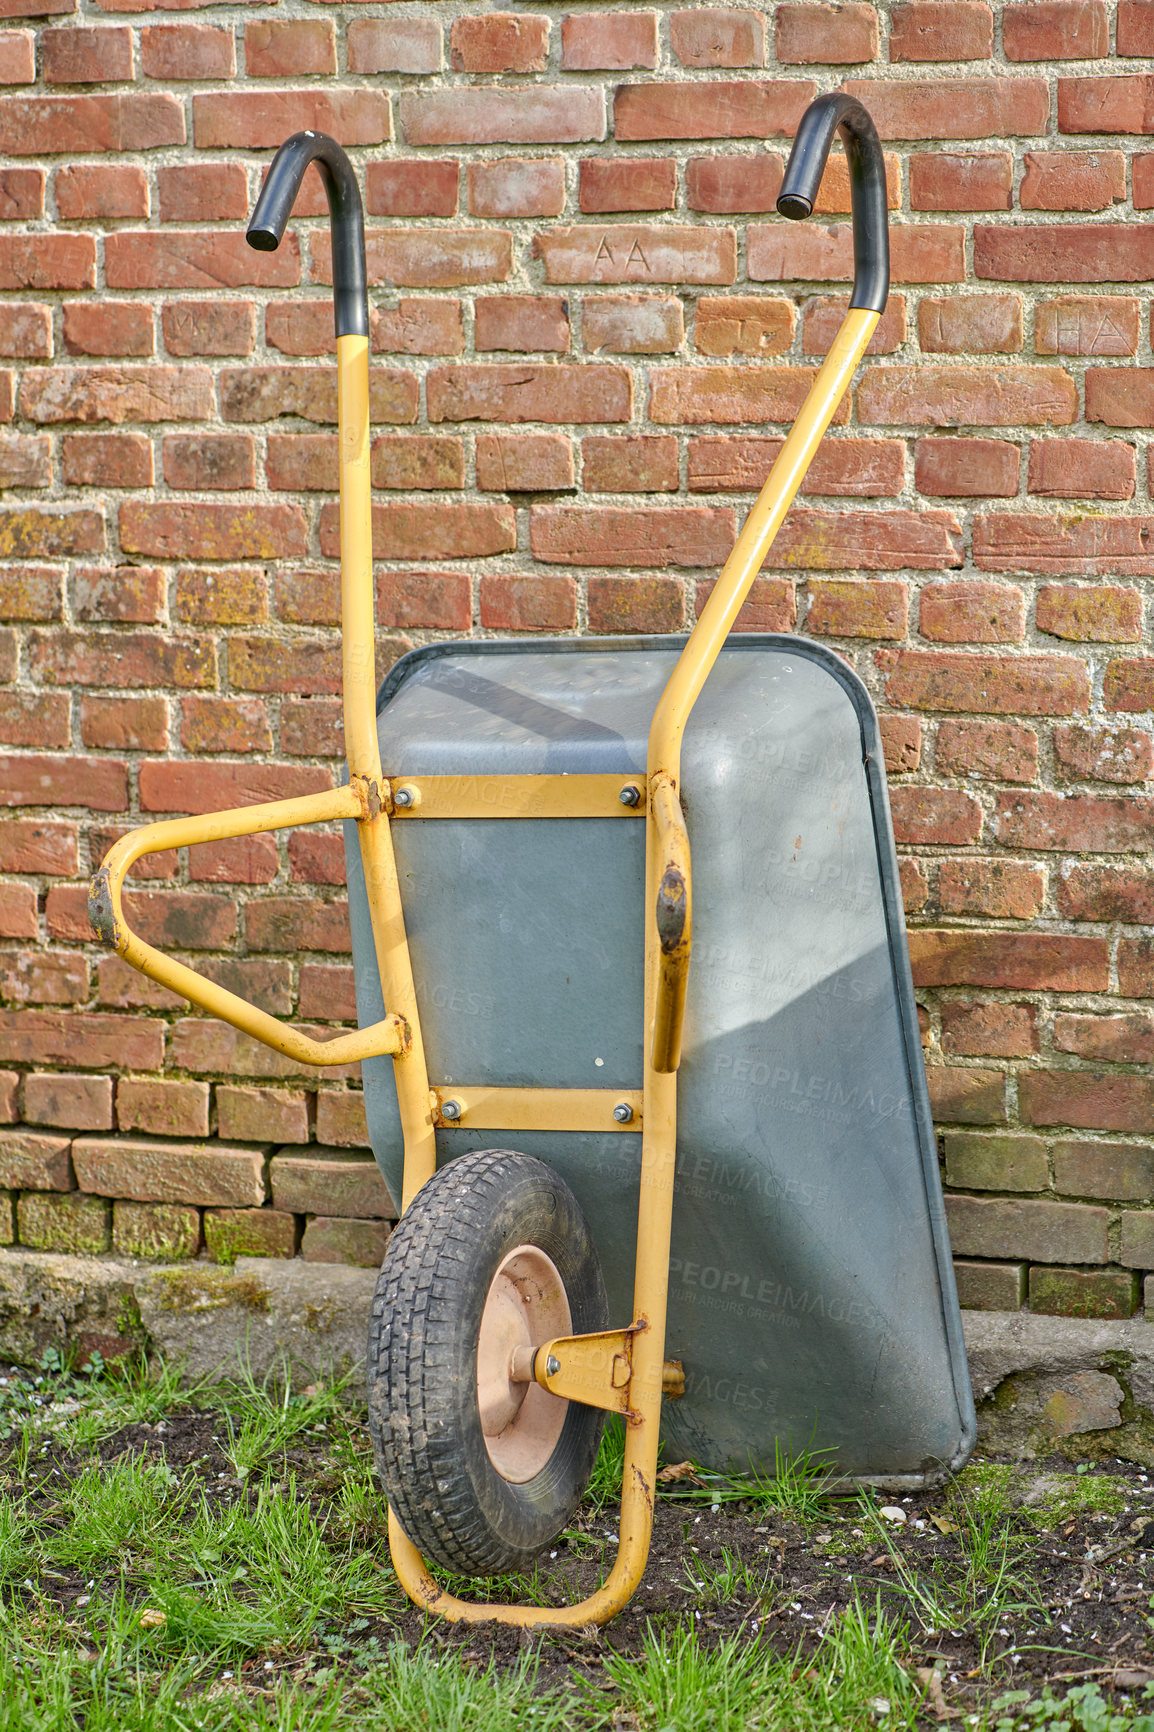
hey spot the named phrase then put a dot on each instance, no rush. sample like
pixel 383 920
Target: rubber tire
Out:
pixel 422 1362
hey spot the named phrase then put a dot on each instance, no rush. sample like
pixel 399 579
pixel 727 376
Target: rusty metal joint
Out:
pixel 102 910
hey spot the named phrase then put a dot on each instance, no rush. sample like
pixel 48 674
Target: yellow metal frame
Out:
pixel 622 1370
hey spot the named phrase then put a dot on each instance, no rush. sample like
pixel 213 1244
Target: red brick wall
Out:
pixel 590 333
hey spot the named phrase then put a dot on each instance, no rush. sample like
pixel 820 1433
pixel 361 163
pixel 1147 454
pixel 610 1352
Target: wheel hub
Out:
pixel 526 1306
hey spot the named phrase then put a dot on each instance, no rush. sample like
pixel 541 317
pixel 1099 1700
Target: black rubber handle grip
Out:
pixel 278 195
pixel 867 180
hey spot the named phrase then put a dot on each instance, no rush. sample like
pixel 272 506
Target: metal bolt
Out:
pixel 403 797
pixel 450 1109
pixel 552 1366
pixel 623 1112
pixel 630 796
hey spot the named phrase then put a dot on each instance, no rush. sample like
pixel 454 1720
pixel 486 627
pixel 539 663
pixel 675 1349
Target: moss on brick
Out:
pixel 64 1221
pixel 164 1231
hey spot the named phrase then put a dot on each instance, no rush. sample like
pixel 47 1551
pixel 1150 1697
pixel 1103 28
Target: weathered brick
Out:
pixel 732 184
pixel 117 394
pixel 963 180
pixel 1086 325
pixel 955 107
pixel 38 845
pixel 699 395
pixel 853 608
pixel 35 1161
pixel 901 743
pixel 1102 614
pixel 315 857
pixel 24 462
pixel 995 1163
pixel 511 603
pixel 341 1118
pixel 637 253
pixel 252 394
pixel 636 604
pixel 816 34
pixel 130 593
pixel 86 56
pixel 634 183
pixel 67 125
pixel 1020 685
pixel 632 463
pixel 101 784
pixel 499 42
pixel 100 658
pixel 823 252
pixel 970 324
pixel 25 331
pixel 515 393
pixel 354 1244
pixel 941 30
pixel 995 1030
pixel 419 530
pixel 162 1106
pixel 990 1286
pixel 1103 754
pixel 966 1097
pixel 609 41
pixel 1129 685
pixel 1105 893
pixel 868 541
pixel 68 1222
pixel 720 108
pixel 290 48
pixel 18 58
pixel 21 194
pixel 1087 1292
pixel 1075 823
pixel 45 977
pixel 163 1232
pixel 619 535
pixel 394 45
pixel 1120 1171
pixel 513 187
pixel 1072 179
pixel 263 119
pixel 330 1180
pixel 189 529
pixel 1081 469
pixel 47 261
pixel 1136 967
pixel 857 468
pixel 721 36
pixel 1135 27
pixel 18 910
pixel 88 191
pixel 178 52
pixel 124 724
pixel 412 188
pixel 1124 1039
pixel 1018 961
pixel 1042 1232
pixel 201 192
pixel 201 328
pixel 942 396
pixel 150 1172
pixel 1073 253
pixel 106 460
pixel 1074 545
pixel 632 325
pixel 544 114
pixel 824 315
pixel 1055 30
pixel 176 786
pixel 233 1233
pixel 1001 751
pixel 30 719
pixel 327 990
pixel 522 323
pixel 972 612
pixel 1088 1100
pixel 925 817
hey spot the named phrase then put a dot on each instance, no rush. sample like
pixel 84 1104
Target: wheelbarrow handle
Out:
pixel 867 179
pixel 278 195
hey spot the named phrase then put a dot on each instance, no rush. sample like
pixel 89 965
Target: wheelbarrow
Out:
pixel 703 1199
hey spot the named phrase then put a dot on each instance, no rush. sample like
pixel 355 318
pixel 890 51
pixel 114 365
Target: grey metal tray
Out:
pixel 811 1293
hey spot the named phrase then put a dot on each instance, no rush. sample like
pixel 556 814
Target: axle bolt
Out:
pixel 451 1110
pixel 623 1113
pixel 403 797
pixel 552 1366
pixel 630 796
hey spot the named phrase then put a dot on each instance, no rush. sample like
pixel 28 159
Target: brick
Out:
pixel 856 468
pixel 104 328
pixel 47 261
pixel 189 529
pixel 17 57
pixel 171 1172
pixel 694 396
pixel 91 658
pixel 200 192
pixel 1042 1232
pixel 524 463
pixel 1087 1100
pixel 991 1031
pixel 133 593
pixel 412 188
pixel 342 1185
pixel 116 394
pixel 124 724
pixel 254 1115
pixel 162 1232
pixel 1072 179
pixel 18 911
pixel 972 612
pixel 196 259
pixel 327 990
pixel 868 541
pixel 721 36
pixel 197 328
pixel 499 42
pixel 609 42
pixel 1119 402
pixel 521 323
pixel 1105 893
pixel 1102 614
pixel 316 857
pixel 81 56
pixel 824 315
pixel 851 608
pixel 123 988
pixel 1103 754
pixel 970 324
pixel 624 535
pixel 823 252
pixel 233 1233
pixel 1056 30
pixel 826 35
pixel 742 325
pixel 1126 1039
pixel 634 183
pixel 354 1244
pixel 926 817
pixel 260 664
pixel 771 604
pixel 1129 685
pixel 86 192
pixel 24 462
pixel 962 180
pixel 419 530
pixel 990 1286
pixel 634 463
pixel 211 724
pixel 427 258
pixel 1074 253
pixel 35 1161
pixel 300 327
pixel 719 108
pixel 209 461
pixel 639 604
pixel 1066 545
pixel 9 1091
pixel 632 325
pixel 1077 823
pixel 341 1118
pixel 1135 28
pixel 1017 961
pixel 1085 1292
pixel 31 719
pixel 162 1107
pixel 966 1097
pixel 943 396
pixel 394 45
pixel 178 52
pixel 21 194
pixel 950 108
pixel 67 909
pixel 67 125
pixel 1087 325
pixel 1142 181
pixel 290 48
pixel 33 534
pixel 38 977
pixel 33 592
pixel 515 393
pixel 1123 1172
pixel 544 114
pixel 511 187
pixel 901 743
pixel 303 463
pixel 38 845
pixel 263 119
pixel 25 331
pixel 941 30
pixel 41 779
pixel 1136 968
pixel 175 786
pixel 637 253
pixel 76 1225
pixel 241 860
pixel 106 460
pixel 724 184
pixel 1081 469
pixel 511 603
pixel 289 923
pixel 997 1163
pixel 998 751
pixel 424 462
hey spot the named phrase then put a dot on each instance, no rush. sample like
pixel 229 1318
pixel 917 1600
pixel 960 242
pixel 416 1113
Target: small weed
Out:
pixel 424 1692
pixel 1084 1708
pixel 264 1418
pixel 800 1486
pixel 126 1508
pixel 718 1585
